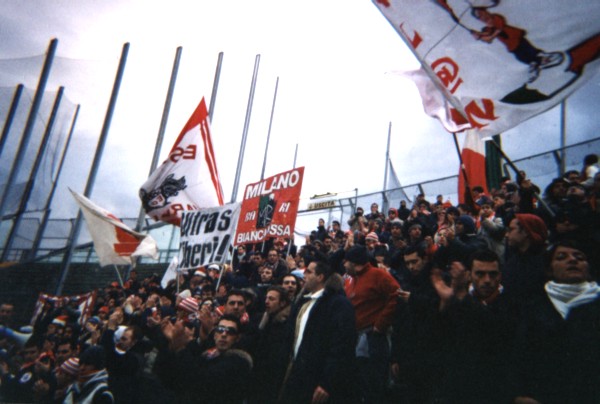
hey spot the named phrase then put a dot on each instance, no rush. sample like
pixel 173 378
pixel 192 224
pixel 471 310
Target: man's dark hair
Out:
pixel 483 255
pixel 283 296
pixel 235 292
pixel 72 343
pixel 418 248
pixel 569 243
pixel 233 319
pixel 136 332
pixel 478 188
pixel 322 268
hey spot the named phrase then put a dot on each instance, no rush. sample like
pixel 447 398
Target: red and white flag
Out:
pixel 473 158
pixel 114 242
pixel 188 179
pixel 85 305
pixel 499 62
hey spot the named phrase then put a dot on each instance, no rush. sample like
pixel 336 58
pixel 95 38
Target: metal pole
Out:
pixel 44 222
pixel 10 116
pixel 93 171
pixel 563 137
pixel 262 173
pixel 514 167
pixel 385 204
pixel 238 170
pixel 295 155
pixel 35 106
pixel 213 95
pixel 162 128
pixel 34 170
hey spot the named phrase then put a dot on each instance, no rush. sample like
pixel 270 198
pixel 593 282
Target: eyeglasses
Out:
pixel 221 329
pixel 289 282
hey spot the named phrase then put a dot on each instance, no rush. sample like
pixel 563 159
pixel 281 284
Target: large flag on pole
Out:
pixel 188 179
pixel 497 62
pixel 473 158
pixel 115 243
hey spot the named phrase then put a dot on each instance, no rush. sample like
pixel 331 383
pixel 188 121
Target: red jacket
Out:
pixel 373 292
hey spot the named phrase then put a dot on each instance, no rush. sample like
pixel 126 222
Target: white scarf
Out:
pixel 566 296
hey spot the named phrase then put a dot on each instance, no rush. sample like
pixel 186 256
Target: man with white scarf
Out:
pixel 558 343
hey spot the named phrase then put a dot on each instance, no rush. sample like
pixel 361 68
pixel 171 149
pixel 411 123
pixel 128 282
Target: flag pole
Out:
pixel 385 204
pixel 33 112
pixel 18 217
pixel 118 275
pixel 563 136
pixel 517 171
pixel 162 128
pixel 213 95
pixel 94 169
pixel 238 170
pixel 44 222
pixel 11 115
pixel 262 173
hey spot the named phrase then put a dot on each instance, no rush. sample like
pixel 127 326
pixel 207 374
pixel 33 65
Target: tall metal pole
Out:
pixel 35 106
pixel 262 173
pixel 44 223
pixel 385 173
pixel 34 170
pixel 162 128
pixel 563 136
pixel 10 116
pixel 94 170
pixel 295 155
pixel 213 95
pixel 238 171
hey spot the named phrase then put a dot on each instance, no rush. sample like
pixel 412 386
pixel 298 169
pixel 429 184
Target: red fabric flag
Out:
pixel 473 158
pixel 188 179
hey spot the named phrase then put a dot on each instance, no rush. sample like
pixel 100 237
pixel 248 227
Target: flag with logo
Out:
pixel 269 208
pixel 473 159
pixel 498 62
pixel 114 242
pixel 188 179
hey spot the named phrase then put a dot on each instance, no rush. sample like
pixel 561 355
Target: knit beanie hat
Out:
pixel 188 304
pixel 70 366
pixel 534 226
pixel 357 254
pixel 372 236
pixel 468 223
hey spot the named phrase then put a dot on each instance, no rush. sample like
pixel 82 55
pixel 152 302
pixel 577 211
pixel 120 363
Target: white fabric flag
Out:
pixel 188 179
pixel 115 243
pixel 170 273
pixel 499 62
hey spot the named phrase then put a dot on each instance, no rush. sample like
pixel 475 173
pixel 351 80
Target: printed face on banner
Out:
pixel 501 61
pixel 270 207
pixel 206 235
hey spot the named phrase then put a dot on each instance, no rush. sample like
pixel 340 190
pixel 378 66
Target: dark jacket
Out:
pixel 479 346
pixel 271 358
pixel 558 360
pixel 326 356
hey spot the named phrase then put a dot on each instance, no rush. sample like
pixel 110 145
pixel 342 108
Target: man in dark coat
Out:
pixel 322 342
pixel 271 349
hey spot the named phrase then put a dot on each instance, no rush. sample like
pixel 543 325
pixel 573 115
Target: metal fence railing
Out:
pixel 540 168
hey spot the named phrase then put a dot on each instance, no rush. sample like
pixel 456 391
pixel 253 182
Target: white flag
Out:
pixel 188 179
pixel 115 243
pixel 499 62
pixel 170 273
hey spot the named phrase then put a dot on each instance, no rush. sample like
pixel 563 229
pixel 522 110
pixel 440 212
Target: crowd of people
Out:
pixel 491 301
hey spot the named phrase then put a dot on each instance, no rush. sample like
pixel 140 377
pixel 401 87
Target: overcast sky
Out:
pixel 335 98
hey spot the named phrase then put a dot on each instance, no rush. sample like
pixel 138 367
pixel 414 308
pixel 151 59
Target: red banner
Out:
pixel 269 208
